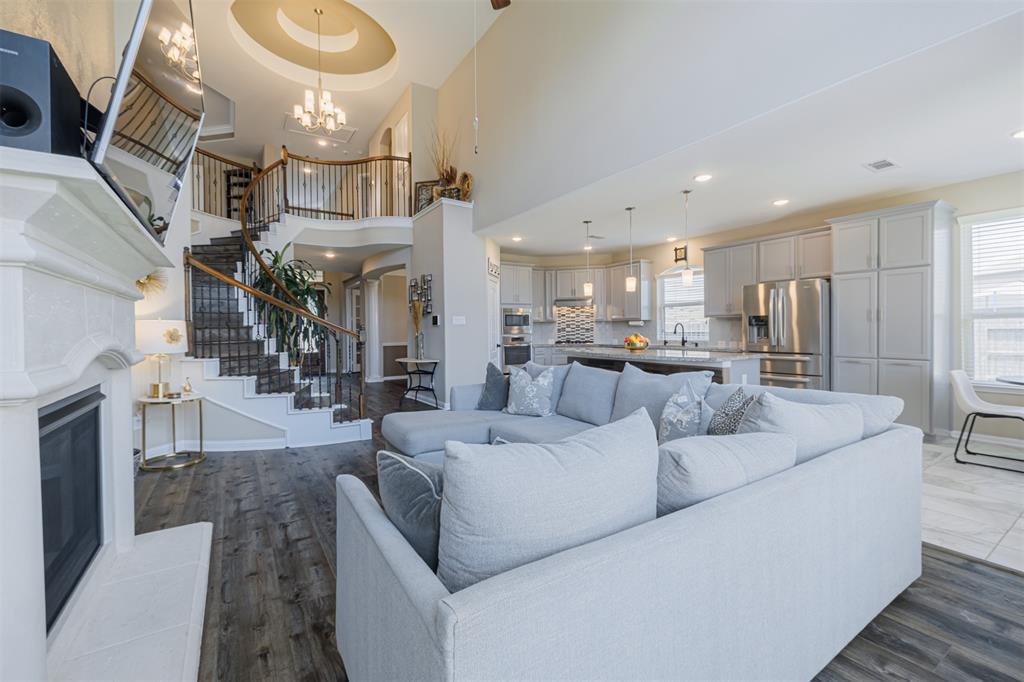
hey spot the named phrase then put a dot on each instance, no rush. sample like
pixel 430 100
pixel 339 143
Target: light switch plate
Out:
pixel 459 320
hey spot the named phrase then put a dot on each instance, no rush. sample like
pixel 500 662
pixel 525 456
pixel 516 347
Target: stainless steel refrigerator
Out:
pixel 789 321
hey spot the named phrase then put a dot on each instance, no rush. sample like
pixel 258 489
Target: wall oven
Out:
pixel 516 349
pixel 515 321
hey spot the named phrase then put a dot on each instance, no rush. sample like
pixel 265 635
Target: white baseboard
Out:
pixel 220 445
pixel 994 440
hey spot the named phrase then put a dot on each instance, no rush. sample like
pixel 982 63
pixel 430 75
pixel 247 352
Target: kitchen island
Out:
pixel 728 368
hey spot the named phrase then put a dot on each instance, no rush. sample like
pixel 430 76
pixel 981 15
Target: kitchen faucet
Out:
pixel 682 333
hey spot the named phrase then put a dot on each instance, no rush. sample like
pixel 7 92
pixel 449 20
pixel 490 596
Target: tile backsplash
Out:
pixel 574 324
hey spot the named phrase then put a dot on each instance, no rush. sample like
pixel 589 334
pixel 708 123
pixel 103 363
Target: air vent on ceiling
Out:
pixel 880 165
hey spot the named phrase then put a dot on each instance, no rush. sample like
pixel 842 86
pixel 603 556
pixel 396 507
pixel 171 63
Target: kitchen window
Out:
pixel 992 294
pixel 678 302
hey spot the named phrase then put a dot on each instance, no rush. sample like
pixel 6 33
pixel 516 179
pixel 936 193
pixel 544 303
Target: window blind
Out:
pixel 679 303
pixel 992 297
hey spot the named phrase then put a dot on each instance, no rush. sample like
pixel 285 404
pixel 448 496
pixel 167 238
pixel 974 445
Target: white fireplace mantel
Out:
pixel 70 253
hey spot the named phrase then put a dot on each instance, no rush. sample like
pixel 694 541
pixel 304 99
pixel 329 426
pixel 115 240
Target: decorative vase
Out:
pixel 420 354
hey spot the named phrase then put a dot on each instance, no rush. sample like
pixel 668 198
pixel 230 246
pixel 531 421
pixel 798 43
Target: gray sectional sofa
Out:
pixel 767 581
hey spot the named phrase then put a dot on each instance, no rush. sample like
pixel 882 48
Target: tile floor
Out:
pixel 973 510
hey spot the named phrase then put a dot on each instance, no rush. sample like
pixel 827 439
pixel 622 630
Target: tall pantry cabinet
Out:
pixel 892 317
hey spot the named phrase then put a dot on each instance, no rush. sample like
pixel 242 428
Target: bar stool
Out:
pixel 968 401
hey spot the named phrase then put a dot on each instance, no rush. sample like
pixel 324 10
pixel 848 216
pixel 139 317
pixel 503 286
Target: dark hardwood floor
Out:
pixel 270 605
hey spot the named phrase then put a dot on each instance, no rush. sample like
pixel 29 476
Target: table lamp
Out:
pixel 158 339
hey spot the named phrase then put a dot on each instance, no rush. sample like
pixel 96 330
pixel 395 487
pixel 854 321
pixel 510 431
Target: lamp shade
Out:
pixel 153 337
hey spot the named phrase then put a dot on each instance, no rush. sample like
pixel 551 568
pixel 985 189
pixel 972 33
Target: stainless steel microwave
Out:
pixel 515 321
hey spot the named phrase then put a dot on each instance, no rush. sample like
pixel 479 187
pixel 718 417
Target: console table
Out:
pixel 419 376
pixel 185 458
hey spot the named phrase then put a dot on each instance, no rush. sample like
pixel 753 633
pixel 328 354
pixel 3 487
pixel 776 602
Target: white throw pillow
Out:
pixel 528 396
pixel 817 428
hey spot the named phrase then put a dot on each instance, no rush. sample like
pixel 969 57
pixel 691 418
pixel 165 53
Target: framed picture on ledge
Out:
pixel 424 193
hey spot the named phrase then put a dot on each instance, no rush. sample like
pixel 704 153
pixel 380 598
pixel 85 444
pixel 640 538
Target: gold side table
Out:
pixel 173 459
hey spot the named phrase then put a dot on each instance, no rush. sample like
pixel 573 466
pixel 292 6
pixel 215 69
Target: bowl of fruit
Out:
pixel 637 342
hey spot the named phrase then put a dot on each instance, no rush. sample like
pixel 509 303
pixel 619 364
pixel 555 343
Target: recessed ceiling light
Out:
pixel 588 247
pixel 517 239
pixel 703 177
pixel 1019 135
pixel 307 169
pixel 780 202
pixel 328 254
pixel 335 144
pixel 670 239
pixel 322 143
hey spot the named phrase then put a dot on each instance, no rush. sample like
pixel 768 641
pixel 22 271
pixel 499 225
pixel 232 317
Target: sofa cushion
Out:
pixel 541 430
pixel 588 394
pixel 817 428
pixel 413 433
pixel 561 371
pixel 528 396
pixel 692 470
pixel 508 505
pixel 879 411
pixel 726 419
pixel 495 393
pixel 637 388
pixel 410 492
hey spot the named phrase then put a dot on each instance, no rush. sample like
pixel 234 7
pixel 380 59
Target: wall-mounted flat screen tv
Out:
pixel 149 130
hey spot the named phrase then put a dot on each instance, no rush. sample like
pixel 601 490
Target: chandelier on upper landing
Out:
pixel 318 112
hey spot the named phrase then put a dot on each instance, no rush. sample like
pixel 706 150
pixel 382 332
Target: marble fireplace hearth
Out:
pixel 70 253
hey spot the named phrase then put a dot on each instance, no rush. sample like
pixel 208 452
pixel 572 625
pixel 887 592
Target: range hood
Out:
pixel 580 302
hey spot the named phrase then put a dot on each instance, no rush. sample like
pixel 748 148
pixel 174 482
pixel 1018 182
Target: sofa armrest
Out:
pixel 387 597
pixel 768 581
pixel 465 397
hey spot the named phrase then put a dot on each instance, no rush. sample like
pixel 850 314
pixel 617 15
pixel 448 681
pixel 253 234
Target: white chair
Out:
pixel 974 407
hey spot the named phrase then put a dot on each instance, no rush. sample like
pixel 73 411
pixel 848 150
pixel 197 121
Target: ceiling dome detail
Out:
pixel 352 42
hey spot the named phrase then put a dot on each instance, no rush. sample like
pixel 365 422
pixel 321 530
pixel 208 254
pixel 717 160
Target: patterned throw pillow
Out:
pixel 681 417
pixel 529 396
pixel 727 417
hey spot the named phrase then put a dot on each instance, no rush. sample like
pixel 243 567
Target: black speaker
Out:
pixel 40 107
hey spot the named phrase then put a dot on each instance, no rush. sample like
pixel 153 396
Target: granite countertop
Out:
pixel 672 356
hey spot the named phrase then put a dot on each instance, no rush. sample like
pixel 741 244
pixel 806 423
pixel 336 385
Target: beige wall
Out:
pixel 81 32
pixel 419 102
pixel 394 311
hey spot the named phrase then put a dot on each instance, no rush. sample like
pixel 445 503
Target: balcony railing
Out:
pixel 374 187
pixel 218 184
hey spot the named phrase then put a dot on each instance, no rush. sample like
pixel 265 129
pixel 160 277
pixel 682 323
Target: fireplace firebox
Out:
pixel 69 453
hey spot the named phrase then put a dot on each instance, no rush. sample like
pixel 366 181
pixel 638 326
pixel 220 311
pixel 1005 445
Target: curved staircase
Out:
pixel 236 358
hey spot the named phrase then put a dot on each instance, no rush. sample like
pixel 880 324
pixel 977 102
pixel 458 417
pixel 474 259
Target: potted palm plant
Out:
pixel 295 334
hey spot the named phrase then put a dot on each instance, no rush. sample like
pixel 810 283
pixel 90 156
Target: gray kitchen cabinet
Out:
pixel 776 259
pixel 814 254
pixel 910 380
pixel 855 322
pixel 726 272
pixel 905 239
pixel 538 291
pixel 616 292
pixel 516 285
pixel 854 245
pixel 855 375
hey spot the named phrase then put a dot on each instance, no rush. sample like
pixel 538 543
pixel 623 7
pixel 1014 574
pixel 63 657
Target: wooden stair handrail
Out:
pixel 267 298
pixel 223 159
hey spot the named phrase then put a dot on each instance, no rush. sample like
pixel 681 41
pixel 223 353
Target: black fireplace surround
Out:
pixel 69 459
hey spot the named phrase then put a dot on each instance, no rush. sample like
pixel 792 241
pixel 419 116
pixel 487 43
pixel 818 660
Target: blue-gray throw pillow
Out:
pixel 692 470
pixel 817 428
pixel 508 505
pixel 637 388
pixel 561 371
pixel 495 393
pixel 410 492
pixel 588 394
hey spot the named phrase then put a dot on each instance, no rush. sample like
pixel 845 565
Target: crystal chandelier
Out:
pixel 317 112
pixel 180 50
